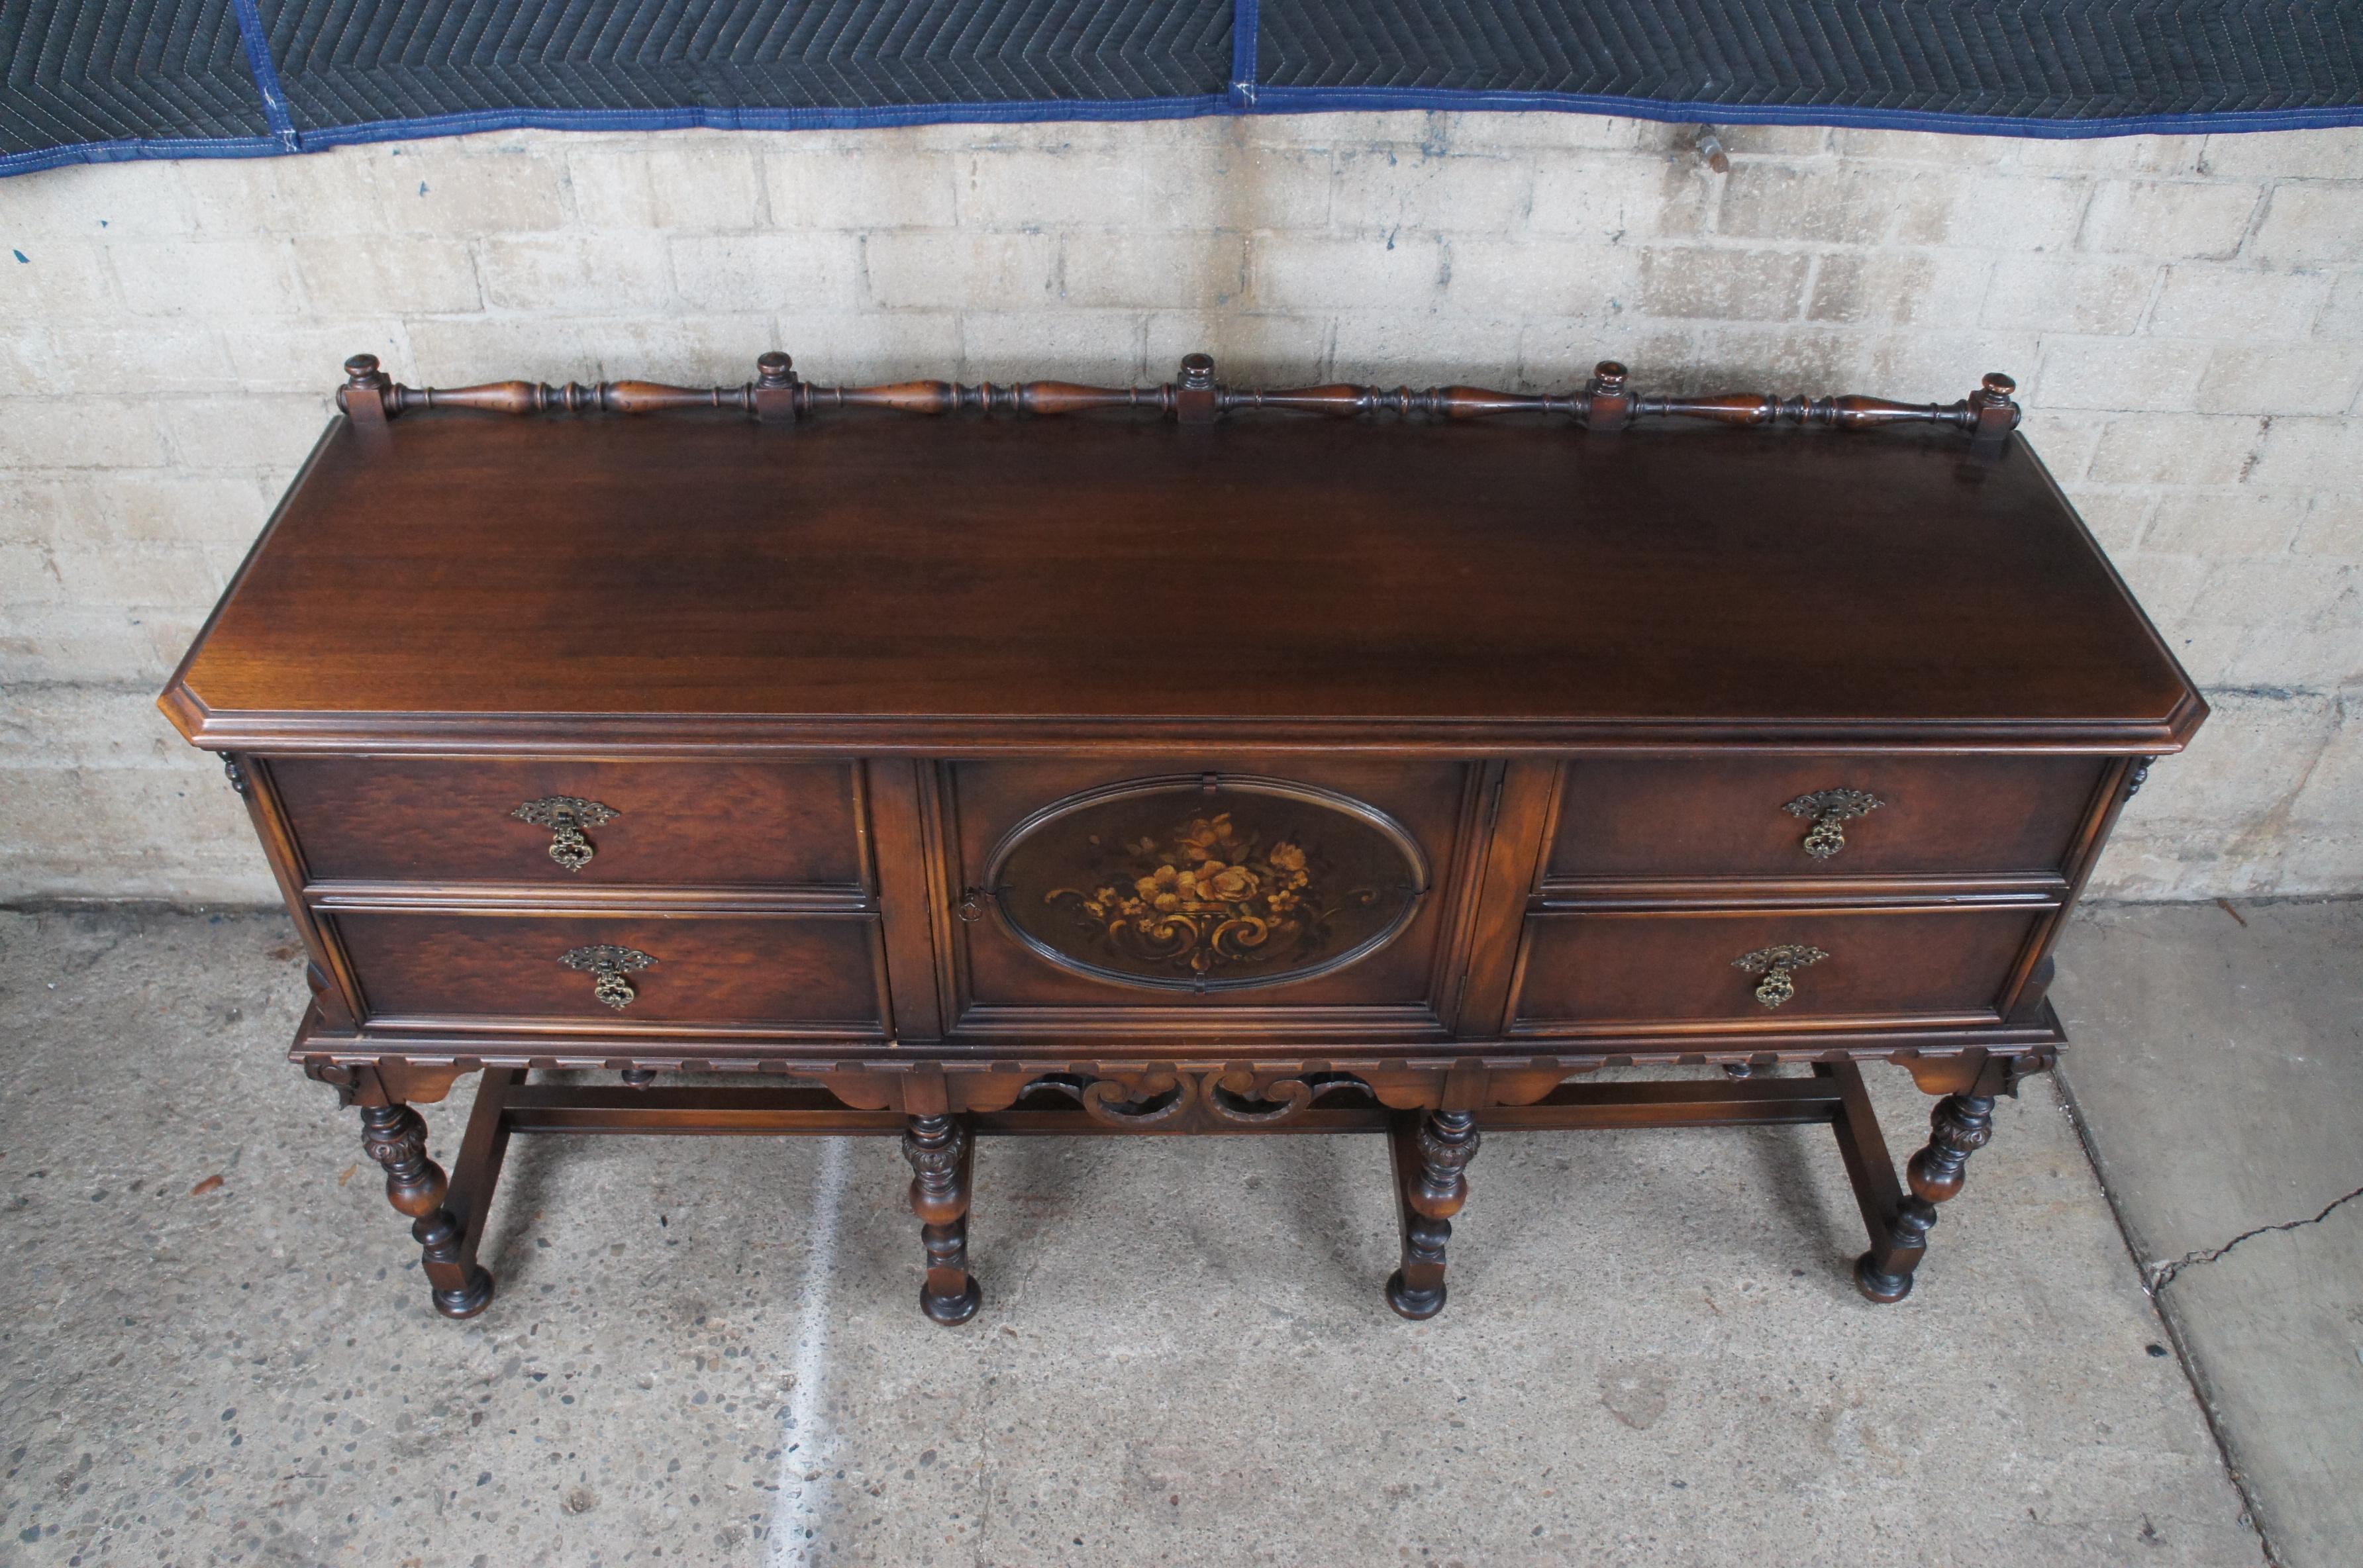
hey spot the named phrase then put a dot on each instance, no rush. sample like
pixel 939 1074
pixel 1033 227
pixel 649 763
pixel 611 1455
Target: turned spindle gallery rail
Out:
pixel 1223 771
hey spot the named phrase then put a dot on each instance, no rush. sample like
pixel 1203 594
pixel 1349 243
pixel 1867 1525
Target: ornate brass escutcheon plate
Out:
pixel 1206 882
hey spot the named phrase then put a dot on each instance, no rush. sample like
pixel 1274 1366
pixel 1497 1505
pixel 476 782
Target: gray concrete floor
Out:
pixel 709 1352
pixel 2219 1080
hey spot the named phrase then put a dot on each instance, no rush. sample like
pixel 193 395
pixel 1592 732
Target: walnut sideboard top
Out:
pixel 778 726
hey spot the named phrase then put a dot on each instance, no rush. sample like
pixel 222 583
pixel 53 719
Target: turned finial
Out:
pixel 772 398
pixel 363 395
pixel 1194 394
pixel 1608 407
pixel 1996 416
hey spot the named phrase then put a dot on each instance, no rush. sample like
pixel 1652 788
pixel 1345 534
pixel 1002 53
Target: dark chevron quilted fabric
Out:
pixel 345 61
pixel 100 79
pixel 2030 58
pixel 94 73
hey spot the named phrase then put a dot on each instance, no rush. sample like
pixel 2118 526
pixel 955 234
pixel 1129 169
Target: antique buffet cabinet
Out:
pixel 1178 758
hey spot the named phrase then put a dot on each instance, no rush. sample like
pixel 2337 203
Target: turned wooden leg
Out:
pixel 395 1138
pixel 1430 1154
pixel 1961 1125
pixel 941 1154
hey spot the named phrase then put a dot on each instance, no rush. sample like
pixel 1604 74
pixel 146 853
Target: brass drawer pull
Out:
pixel 1830 810
pixel 566 816
pixel 1775 964
pixel 609 965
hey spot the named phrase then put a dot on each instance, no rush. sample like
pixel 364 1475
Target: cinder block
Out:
pixel 688 350
pixel 78 433
pixel 2119 373
pixel 1844 203
pixel 2178 449
pixel 2311 224
pixel 458 189
pixel 247 433
pixel 2343 316
pixel 691 183
pixel 2334 527
pixel 1384 188
pixel 1605 198
pixel 1304 272
pixel 1249 349
pixel 947 270
pixel 1929 365
pixel 88 358
pixel 1992 210
pixel 54 279
pixel 1465 130
pixel 849 348
pixel 2219 522
pixel 462 350
pixel 134 507
pixel 1731 286
pixel 1204 270
pixel 860 187
pixel 230 278
pixel 1100 347
pixel 95 201
pixel 2313 454
pixel 1254 186
pixel 578 274
pixel 2202 299
pixel 2117 517
pixel 59 726
pixel 136 575
pixel 1029 189
pixel 336 191
pixel 308 356
pixel 1541 278
pixel 2334 153
pixel 367 274
pixel 1920 147
pixel 2111 154
pixel 2166 587
pixel 2067 294
pixel 769 271
pixel 1900 288
pixel 79 641
pixel 1426 349
pixel 2310 593
pixel 2168 217
pixel 2321 379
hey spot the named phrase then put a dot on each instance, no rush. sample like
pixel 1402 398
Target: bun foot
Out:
pixel 469 1299
pixel 1883 1288
pixel 952 1310
pixel 1417 1305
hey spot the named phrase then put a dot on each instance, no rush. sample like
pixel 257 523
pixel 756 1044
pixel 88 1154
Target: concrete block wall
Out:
pixel 2185 315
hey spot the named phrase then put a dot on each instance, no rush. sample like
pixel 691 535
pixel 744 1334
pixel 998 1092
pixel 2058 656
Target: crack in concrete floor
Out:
pixel 2157 1277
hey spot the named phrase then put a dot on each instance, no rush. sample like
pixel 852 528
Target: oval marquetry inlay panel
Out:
pixel 1207 882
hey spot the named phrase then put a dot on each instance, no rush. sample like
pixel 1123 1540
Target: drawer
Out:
pixel 746 971
pixel 1204 882
pixel 683 823
pixel 1717 817
pixel 1599 972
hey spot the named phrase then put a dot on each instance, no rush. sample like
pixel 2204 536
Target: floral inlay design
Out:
pixel 1186 887
pixel 1207 897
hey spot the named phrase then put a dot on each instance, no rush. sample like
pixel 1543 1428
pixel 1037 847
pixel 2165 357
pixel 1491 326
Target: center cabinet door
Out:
pixel 1299 897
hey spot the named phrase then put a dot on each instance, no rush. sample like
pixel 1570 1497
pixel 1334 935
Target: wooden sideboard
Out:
pixel 1199 760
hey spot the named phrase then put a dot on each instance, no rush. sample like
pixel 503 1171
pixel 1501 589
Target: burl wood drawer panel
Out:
pixel 1699 817
pixel 1197 882
pixel 779 970
pixel 684 823
pixel 1599 972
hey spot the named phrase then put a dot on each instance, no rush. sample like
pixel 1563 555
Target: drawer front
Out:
pixel 647 823
pixel 750 971
pixel 1600 972
pixel 1205 882
pixel 1724 818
